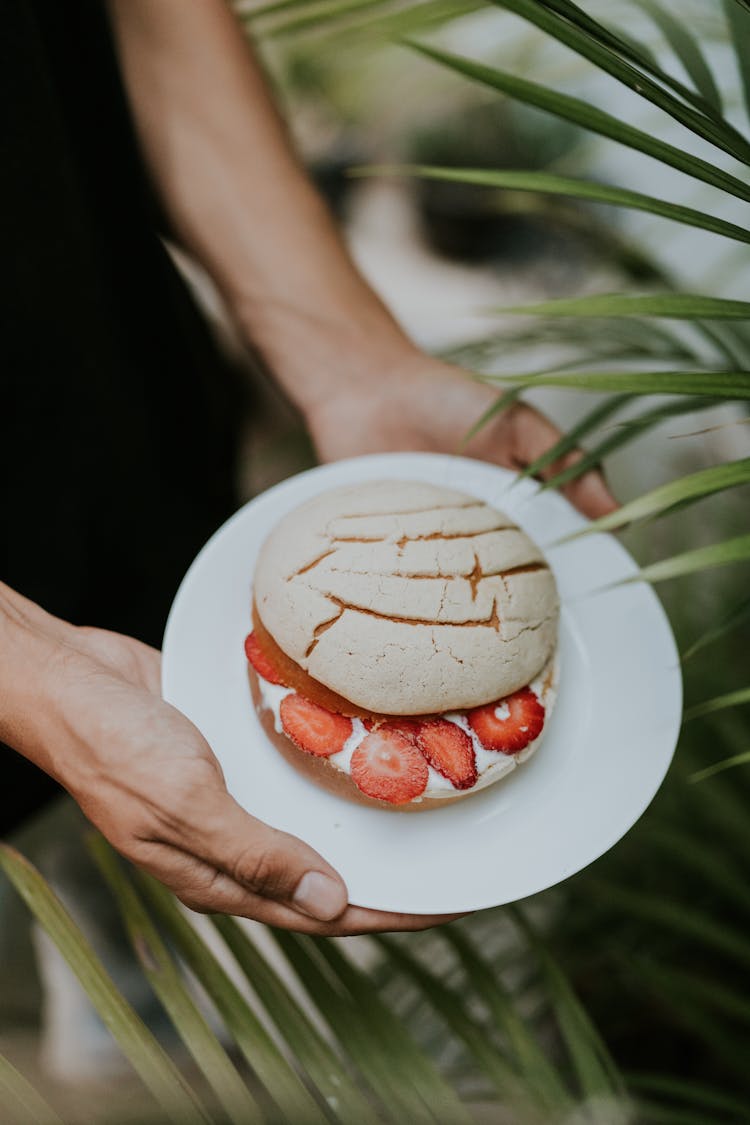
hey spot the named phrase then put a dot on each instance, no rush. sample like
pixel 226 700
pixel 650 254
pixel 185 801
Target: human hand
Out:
pixel 147 779
pixel 424 404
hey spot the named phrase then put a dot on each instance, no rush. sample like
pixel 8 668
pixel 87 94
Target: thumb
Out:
pixel 270 863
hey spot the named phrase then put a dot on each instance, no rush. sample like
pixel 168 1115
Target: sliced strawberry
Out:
pixel 260 662
pixel 522 725
pixel 313 728
pixel 449 750
pixel 388 766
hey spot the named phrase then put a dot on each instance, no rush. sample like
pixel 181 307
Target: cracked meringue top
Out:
pixel 407 598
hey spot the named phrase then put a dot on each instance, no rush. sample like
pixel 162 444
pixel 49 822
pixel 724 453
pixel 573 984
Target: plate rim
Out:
pixel 531 489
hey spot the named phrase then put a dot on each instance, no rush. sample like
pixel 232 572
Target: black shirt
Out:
pixel 117 414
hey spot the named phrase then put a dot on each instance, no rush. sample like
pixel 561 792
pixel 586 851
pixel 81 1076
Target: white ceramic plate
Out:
pixel 608 745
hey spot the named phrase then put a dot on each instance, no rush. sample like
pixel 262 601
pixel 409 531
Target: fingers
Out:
pixel 273 864
pixel 534 434
pixel 590 494
pixel 358 920
pixel 205 890
pixel 232 861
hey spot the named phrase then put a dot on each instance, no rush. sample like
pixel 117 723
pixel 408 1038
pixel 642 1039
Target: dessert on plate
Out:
pixel 403 650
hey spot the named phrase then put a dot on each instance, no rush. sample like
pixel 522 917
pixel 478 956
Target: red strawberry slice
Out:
pixel 260 662
pixel 509 735
pixel 449 750
pixel 389 767
pixel 311 727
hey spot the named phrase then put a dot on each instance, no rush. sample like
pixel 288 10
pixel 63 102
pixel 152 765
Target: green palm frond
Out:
pixel 700 558
pixel 731 385
pixel 720 767
pixel 734 617
pixel 738 18
pixel 252 1040
pixel 547 183
pixel 719 703
pixel 700 859
pixel 683 920
pixel 538 1074
pixel 370 1069
pixel 586 116
pixel 668 306
pixel 570 440
pixel 677 493
pixel 691 1093
pixel 157 1071
pixel 596 1071
pixel 703 384
pixel 532 1090
pixel 313 1052
pixel 634 52
pixel 566 32
pixel 432 1095
pixel 22 1100
pixel 160 970
pixel 686 48
pixel 624 434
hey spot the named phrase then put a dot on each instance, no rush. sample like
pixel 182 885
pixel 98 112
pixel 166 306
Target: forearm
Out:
pixel 32 645
pixel 239 200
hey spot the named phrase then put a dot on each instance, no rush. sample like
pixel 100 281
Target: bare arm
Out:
pixel 239 200
pixel 84 705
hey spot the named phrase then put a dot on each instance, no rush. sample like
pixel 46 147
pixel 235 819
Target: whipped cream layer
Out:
pixel 491 764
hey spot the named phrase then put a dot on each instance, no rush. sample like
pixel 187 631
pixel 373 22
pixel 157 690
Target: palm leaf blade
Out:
pixel 685 922
pixel 738 19
pixel 536 1069
pixel 636 52
pixel 588 117
pixel 686 49
pixel 279 1078
pixel 612 63
pixel 705 384
pixel 154 1066
pixel 732 619
pixel 21 1100
pixel 502 402
pixel 687 489
pixel 314 1054
pixel 699 857
pixel 626 432
pixel 700 558
pixel 549 184
pixel 597 1073
pixel 718 703
pixel 569 440
pixel 359 1039
pixel 162 974
pixel 669 306
pixel 696 1093
pixel 435 1096
pixel 450 1006
pixel 719 767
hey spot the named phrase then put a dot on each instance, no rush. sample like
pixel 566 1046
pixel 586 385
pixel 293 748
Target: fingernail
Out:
pixel 319 896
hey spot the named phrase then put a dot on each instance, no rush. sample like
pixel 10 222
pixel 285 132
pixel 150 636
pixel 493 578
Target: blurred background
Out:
pixel 653 937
